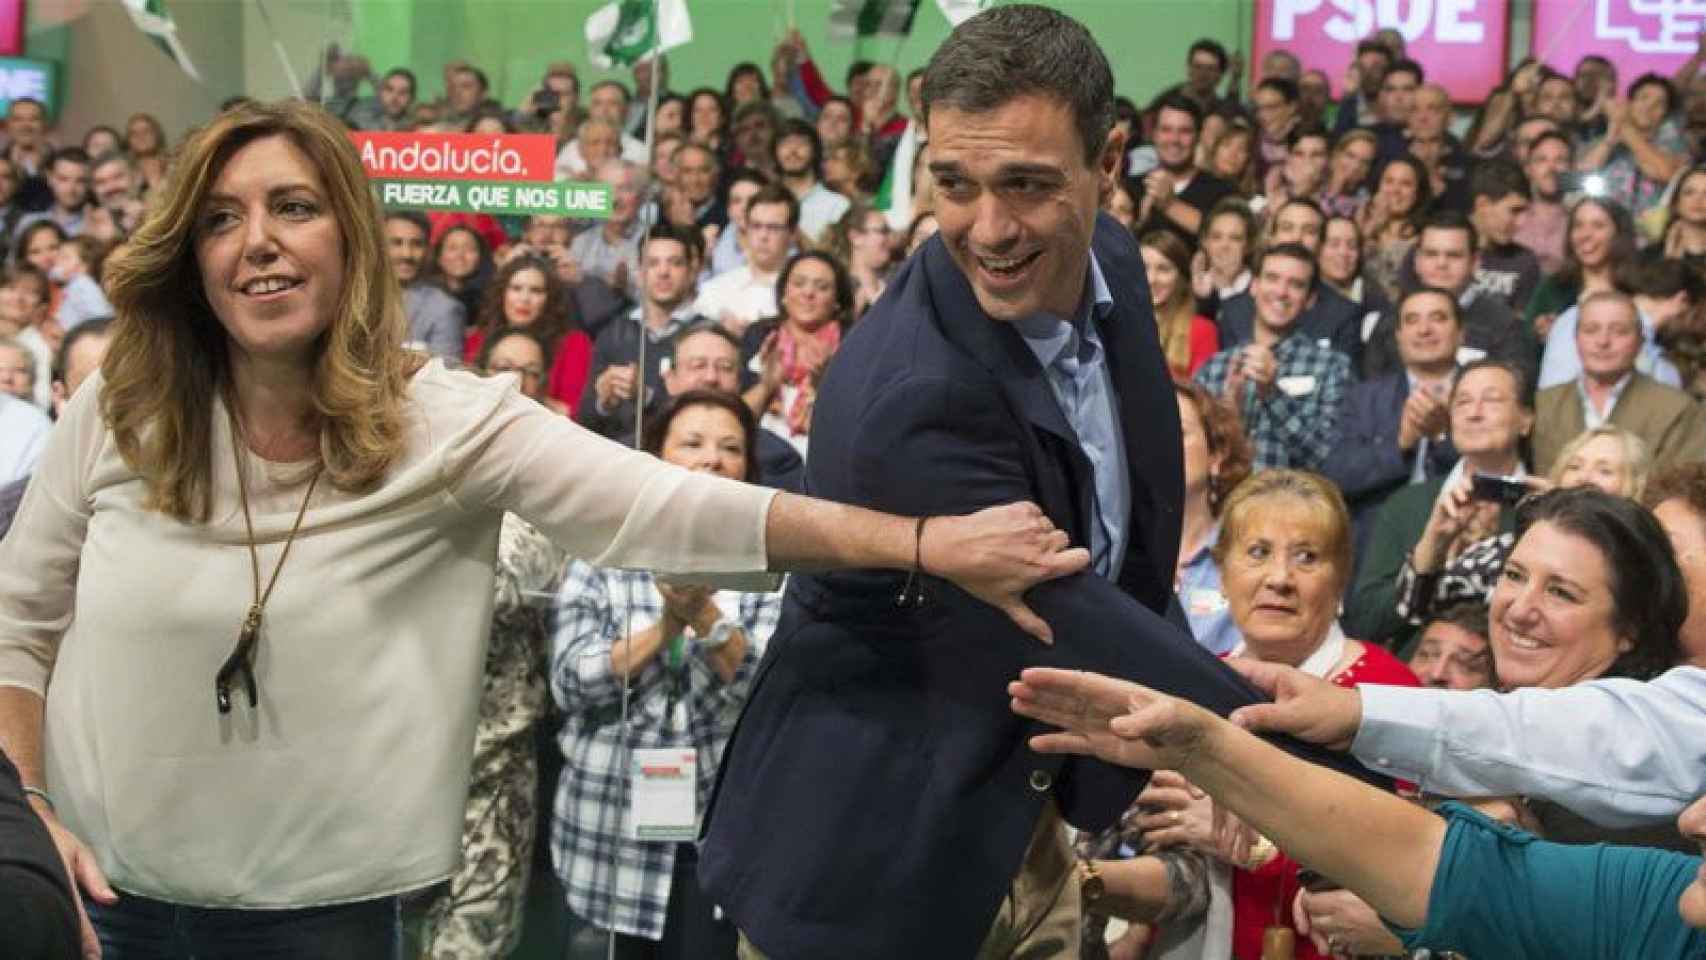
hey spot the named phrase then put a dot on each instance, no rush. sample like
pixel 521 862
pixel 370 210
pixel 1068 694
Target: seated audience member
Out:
pixel 1445 259
pixel 23 431
pixel 118 190
pixel 1641 149
pixel 669 262
pixel 1677 497
pixel 799 163
pixel 1598 241
pixel 815 299
pixel 730 250
pixel 1453 652
pixel 1664 293
pixel 1187 339
pixel 1229 149
pixel 694 201
pixel 862 240
pixel 1220 270
pixel 1397 101
pixel 611 251
pixel 1685 234
pixel 1328 318
pixel 1498 197
pixel 437 321
pixel 1489 420
pixel 745 294
pixel 1303 175
pixel 1176 194
pixel 1428 138
pixel 38 907
pixel 1347 174
pixel 1543 226
pixel 1340 261
pixel 1610 390
pixel 1391 219
pixel 686 657
pixel 523 352
pixel 1217 459
pixel 462 265
pixel 1287 388
pixel 1358 106
pixel 707 357
pixel 1394 429
pixel 1442 569
pixel 1285 556
pixel 68 184
pixel 527 293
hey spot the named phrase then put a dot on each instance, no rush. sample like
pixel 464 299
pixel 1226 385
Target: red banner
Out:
pixel 457 156
pixel 1462 43
pixel 12 28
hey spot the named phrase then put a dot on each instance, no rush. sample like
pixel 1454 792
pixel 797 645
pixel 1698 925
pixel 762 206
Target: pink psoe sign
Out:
pixel 1460 43
pixel 1639 36
pixel 525 157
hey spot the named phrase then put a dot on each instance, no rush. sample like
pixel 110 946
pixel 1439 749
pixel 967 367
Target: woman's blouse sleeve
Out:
pixel 1500 892
pixel 40 555
pixel 599 500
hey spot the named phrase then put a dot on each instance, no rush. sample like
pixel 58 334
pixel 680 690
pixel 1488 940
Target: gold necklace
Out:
pixel 242 659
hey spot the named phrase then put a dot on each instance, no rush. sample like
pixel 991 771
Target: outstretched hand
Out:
pixel 998 553
pixel 1113 720
pixel 1309 708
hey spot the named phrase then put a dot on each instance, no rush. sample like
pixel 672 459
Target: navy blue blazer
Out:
pixel 1366 462
pixel 1333 319
pixel 878 794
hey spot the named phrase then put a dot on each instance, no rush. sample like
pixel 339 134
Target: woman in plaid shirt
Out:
pixel 688 656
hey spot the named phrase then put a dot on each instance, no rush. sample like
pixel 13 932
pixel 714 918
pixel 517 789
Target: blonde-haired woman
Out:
pixel 1433 577
pixel 256 564
pixel 1187 338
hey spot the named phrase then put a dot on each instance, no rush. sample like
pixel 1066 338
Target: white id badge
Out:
pixel 663 798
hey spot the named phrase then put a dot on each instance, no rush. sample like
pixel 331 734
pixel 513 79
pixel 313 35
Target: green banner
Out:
pixel 587 201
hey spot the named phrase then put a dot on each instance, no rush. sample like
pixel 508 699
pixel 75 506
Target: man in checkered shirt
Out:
pixel 1287 388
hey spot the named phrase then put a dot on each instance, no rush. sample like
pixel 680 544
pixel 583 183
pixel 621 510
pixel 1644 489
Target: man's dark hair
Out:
pixel 479 76
pixel 857 69
pixel 406 74
pixel 626 96
pixel 795 127
pixel 1451 220
pixel 1313 207
pixel 1304 131
pixel 1497 179
pixel 1008 51
pixel 1410 67
pixel 1456 311
pixel 1179 103
pixel 1519 377
pixel 774 193
pixel 688 237
pixel 751 175
pixel 413 217
pixel 32 101
pixel 69 155
pixel 1372 45
pixel 1655 80
pixel 703 326
pixel 1287 89
pixel 1295 251
pixel 1465 615
pixel 1210 47
pixel 1661 278
pixel 94 327
pixel 1554 134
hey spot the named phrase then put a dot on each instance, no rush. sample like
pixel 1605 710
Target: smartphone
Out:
pixel 1505 491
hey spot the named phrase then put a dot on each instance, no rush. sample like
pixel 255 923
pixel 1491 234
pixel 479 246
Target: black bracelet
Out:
pixel 912 593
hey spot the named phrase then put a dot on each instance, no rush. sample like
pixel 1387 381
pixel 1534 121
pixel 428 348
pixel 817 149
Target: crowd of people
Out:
pixel 1439 372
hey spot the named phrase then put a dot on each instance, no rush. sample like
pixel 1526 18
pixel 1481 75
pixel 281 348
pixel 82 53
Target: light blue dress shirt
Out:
pixel 1619 752
pixel 1561 363
pixel 1077 368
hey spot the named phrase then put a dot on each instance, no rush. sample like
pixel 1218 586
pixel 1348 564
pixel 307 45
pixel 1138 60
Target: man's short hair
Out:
pixel 1212 48
pixel 1558 135
pixel 93 327
pixel 1372 45
pixel 774 193
pixel 795 127
pixel 687 145
pixel 1496 179
pixel 1467 616
pixel 111 157
pixel 1662 279
pixel 68 155
pixel 1655 80
pixel 1313 207
pixel 1294 251
pixel 703 326
pixel 414 217
pixel 1286 88
pixel 1179 103
pixel 1519 377
pixel 1451 220
pixel 479 75
pixel 980 67
pixel 1410 67
pixel 619 85
pixel 1456 311
pixel 751 175
pixel 406 74
pixel 1305 131
pixel 26 101
pixel 688 237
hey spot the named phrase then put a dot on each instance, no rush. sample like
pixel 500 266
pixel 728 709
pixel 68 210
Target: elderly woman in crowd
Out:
pixel 1444 567
pixel 1188 338
pixel 1284 555
pixel 815 297
pixel 683 658
pixel 1594 592
pixel 264 762
pixel 1599 238
pixel 526 293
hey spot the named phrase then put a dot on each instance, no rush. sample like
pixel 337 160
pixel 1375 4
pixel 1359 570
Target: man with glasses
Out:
pixel 737 298
pixel 436 319
pixel 670 261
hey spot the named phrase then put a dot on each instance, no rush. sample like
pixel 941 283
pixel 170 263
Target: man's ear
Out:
pixel 1109 162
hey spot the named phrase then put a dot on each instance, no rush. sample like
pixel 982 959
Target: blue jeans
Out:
pixel 137 928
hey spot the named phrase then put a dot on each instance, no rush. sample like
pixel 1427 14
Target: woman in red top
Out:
pixel 526 293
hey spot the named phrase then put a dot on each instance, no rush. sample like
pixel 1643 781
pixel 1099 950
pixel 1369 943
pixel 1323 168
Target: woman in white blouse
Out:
pixel 257 556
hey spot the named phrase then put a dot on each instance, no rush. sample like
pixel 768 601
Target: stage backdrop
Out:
pixel 1639 36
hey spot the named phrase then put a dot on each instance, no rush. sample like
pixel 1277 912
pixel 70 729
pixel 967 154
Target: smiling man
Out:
pixel 878 799
pixel 436 319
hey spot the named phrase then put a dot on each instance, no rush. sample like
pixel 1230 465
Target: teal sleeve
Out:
pixel 1500 892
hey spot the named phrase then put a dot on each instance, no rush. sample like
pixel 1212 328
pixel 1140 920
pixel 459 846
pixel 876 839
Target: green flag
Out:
pixel 866 20
pixel 151 18
pixel 623 32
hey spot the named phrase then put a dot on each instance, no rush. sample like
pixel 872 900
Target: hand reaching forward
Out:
pixel 1113 720
pixel 1306 707
pixel 998 553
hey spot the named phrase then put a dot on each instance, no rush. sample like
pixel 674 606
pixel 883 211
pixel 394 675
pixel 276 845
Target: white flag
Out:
pixel 959 11
pixel 622 32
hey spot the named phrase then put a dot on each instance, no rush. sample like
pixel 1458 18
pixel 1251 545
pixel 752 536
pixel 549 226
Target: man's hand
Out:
pixel 615 385
pixel 1260 367
pixel 998 553
pixel 1425 415
pixel 1306 707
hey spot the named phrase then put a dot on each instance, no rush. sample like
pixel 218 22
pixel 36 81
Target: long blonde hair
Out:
pixel 1173 318
pixel 168 357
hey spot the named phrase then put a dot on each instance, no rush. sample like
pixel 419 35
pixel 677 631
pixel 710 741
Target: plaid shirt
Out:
pixel 1297 423
pixel 684 706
